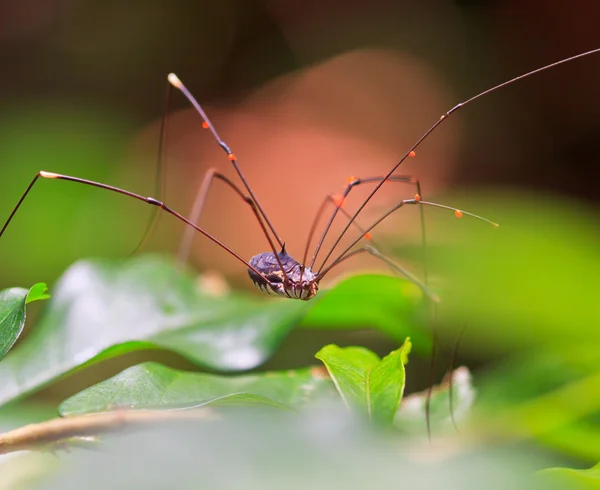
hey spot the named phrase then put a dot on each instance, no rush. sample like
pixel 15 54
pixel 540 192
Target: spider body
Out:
pixel 298 282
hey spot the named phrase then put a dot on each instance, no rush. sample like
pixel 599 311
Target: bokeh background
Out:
pixel 306 93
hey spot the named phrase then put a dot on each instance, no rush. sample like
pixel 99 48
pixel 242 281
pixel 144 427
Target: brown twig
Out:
pixel 58 430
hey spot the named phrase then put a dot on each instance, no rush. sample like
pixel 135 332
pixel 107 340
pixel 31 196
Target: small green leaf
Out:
pixel 392 305
pixel 154 386
pixel 348 367
pixel 386 385
pixel 12 313
pixel 369 385
pixel 37 292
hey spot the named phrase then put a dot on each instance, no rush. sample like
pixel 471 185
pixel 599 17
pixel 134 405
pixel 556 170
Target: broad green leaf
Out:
pixel 392 305
pixel 104 309
pixel 369 385
pixel 152 385
pixel 12 313
pixel 572 479
pixel 17 415
pixel 240 399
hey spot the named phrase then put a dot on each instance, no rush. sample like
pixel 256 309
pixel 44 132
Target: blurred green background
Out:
pixel 308 93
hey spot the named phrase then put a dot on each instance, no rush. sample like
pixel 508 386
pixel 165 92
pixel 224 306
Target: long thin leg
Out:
pixel 174 80
pixel 352 183
pixel 337 202
pixel 160 178
pixel 451 377
pixel 194 216
pixel 188 236
pixel 393 265
pixel 417 201
pixel 147 200
pixel 434 350
pixel 443 118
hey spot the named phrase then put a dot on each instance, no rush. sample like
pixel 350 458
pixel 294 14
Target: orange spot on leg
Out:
pixel 205 125
pixel 412 154
pixel 231 157
pixel 458 213
pixel 417 197
pixel 368 236
pixel 351 179
pixel 338 200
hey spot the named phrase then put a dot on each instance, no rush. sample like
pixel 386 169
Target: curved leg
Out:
pixel 450 375
pixel 354 181
pixel 333 199
pixel 417 201
pixel 188 236
pixel 393 265
pixel 196 211
pixel 148 200
pixel 160 178
pixel 174 80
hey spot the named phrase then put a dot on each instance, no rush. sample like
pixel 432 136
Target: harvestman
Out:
pixel 277 273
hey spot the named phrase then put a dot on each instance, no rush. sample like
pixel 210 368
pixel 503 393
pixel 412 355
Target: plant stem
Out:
pixel 58 430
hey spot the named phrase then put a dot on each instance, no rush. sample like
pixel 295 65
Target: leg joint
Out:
pixel 154 202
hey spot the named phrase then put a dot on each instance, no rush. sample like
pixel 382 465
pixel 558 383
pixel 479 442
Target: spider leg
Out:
pixel 370 249
pixel 161 174
pixel 177 83
pixel 209 178
pixel 148 200
pixel 352 183
pixel 416 201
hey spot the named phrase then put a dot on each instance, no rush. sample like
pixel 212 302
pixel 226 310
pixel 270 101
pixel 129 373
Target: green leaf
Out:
pixel 17 415
pixel 392 305
pixel 152 385
pixel 37 292
pixel 104 309
pixel 572 479
pixel 385 385
pixel 369 385
pixel 348 367
pixel 12 313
